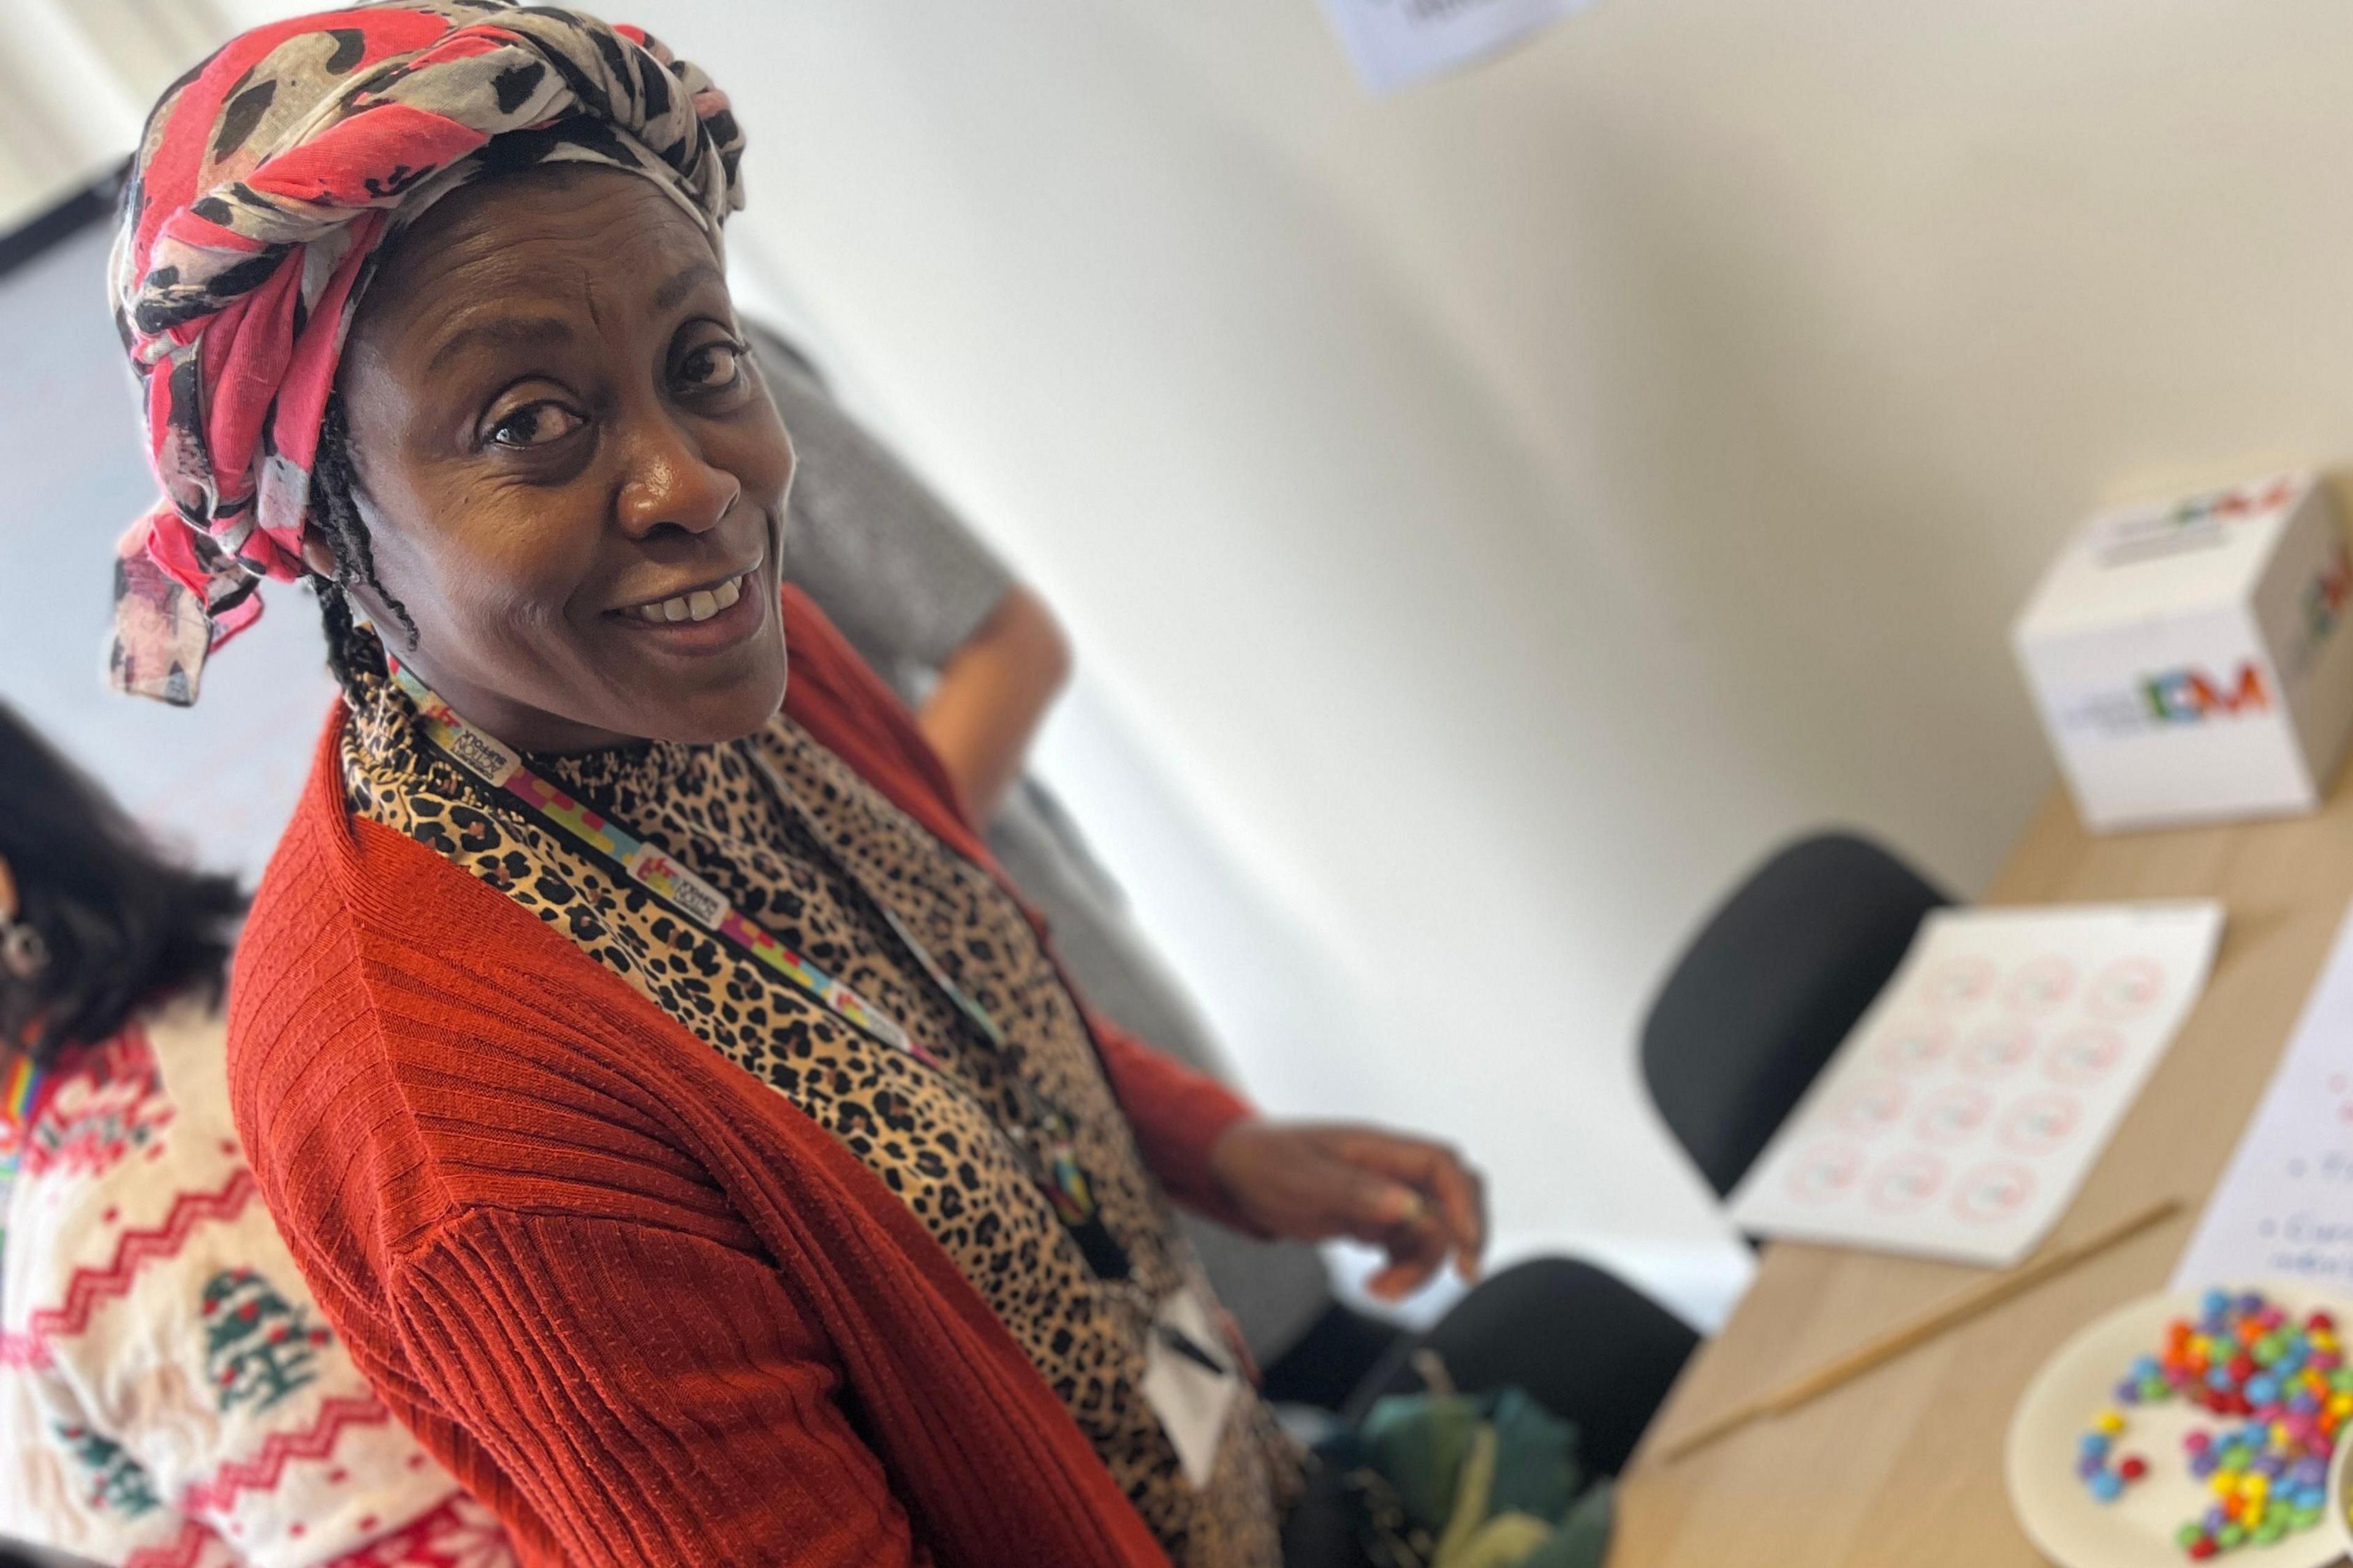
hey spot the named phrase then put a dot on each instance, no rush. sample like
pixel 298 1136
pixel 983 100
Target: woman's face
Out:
pixel 572 475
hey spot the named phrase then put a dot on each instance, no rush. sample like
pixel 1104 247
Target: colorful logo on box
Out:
pixel 2189 696
pixel 2321 606
pixel 2238 502
pixel 2324 595
pixel 2194 523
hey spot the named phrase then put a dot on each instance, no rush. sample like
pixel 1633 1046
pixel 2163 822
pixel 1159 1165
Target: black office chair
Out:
pixel 1767 989
pixel 1589 1347
pixel 1756 1005
pixel 1592 1349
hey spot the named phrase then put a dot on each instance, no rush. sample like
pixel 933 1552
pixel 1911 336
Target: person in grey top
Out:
pixel 979 658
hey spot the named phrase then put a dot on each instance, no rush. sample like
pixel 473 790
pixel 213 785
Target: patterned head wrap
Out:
pixel 265 185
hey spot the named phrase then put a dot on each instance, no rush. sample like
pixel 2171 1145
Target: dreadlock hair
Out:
pixel 124 925
pixel 353 651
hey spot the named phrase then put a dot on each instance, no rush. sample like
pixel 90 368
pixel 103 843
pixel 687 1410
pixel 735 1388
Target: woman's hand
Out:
pixel 1307 1182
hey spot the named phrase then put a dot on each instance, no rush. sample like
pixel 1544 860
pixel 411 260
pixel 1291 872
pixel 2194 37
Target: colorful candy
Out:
pixel 2095 1449
pixel 2282 1391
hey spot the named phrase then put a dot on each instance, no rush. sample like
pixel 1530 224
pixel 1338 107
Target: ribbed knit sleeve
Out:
pixel 1177 1115
pixel 655 1398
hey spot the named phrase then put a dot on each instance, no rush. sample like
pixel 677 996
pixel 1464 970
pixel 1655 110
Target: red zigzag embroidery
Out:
pixel 261 1472
pixel 29 1347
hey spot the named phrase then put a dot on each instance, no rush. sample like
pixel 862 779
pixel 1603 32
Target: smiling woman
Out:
pixel 696 1141
pixel 571 460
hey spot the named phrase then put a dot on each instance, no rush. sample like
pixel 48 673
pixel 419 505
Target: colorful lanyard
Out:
pixel 498 765
pixel 20 1092
pixel 1046 1148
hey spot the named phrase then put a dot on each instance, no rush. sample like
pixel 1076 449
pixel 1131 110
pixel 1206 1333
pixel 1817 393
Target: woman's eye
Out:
pixel 535 424
pixel 712 367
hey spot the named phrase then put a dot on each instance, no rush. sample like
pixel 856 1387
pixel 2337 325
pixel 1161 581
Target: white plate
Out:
pixel 2339 1531
pixel 2058 1511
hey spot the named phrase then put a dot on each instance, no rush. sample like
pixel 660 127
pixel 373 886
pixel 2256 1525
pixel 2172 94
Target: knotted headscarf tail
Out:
pixel 265 184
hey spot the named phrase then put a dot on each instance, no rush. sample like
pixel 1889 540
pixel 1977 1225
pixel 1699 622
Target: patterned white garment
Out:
pixel 170 1394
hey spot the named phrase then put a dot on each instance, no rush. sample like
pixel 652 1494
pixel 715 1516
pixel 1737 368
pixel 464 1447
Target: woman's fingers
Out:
pixel 1453 1189
pixel 1464 1195
pixel 1416 1253
pixel 1414 1198
pixel 1372 1207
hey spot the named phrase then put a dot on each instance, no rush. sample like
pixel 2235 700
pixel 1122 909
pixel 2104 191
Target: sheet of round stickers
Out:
pixel 1964 1110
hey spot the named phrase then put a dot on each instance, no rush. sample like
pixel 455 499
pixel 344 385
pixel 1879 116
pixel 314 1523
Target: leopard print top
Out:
pixel 935 1138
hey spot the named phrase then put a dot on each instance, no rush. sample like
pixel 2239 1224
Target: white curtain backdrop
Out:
pixel 76 78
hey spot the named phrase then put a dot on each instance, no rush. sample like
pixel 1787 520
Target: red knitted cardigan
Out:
pixel 638 1302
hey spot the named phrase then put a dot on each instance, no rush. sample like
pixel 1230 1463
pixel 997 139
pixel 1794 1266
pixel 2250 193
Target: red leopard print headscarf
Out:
pixel 265 184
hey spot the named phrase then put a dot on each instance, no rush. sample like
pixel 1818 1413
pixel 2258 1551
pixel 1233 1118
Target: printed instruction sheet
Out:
pixel 1394 42
pixel 1964 1110
pixel 2284 1208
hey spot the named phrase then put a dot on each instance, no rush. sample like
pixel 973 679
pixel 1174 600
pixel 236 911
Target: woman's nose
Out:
pixel 668 483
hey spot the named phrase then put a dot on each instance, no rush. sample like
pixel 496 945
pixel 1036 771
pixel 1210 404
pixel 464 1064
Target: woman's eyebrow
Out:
pixel 683 283
pixel 508 331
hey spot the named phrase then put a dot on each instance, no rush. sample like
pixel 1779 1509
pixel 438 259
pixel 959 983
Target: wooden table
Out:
pixel 1903 1467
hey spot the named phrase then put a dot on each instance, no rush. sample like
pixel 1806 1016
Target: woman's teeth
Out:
pixel 699 605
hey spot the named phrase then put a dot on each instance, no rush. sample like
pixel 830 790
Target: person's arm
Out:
pixel 1177 1115
pixel 667 1397
pixel 1418 1200
pixel 913 589
pixel 992 693
pixel 655 1398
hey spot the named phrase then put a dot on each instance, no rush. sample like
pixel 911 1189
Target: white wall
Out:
pixel 1509 507
pixel 1500 511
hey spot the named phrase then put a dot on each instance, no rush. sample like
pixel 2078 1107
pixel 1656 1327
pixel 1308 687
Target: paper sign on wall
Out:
pixel 2284 1206
pixel 1964 1108
pixel 1393 42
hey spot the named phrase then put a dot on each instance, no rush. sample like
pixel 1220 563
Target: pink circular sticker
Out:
pixel 1958 982
pixel 1823 1172
pixel 2041 985
pixel 1952 1115
pixel 1916 1047
pixel 1872 1107
pixel 2084 1055
pixel 1993 1193
pixel 2125 989
pixel 1997 1049
pixel 1906 1182
pixel 2038 1123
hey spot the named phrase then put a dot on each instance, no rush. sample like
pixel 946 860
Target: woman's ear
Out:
pixel 318 557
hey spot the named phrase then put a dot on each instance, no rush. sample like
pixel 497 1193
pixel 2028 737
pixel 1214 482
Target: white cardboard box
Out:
pixel 2187 659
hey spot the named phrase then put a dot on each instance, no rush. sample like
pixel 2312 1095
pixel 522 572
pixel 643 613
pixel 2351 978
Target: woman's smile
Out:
pixel 704 617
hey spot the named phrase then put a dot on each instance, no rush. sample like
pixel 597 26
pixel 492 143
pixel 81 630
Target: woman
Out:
pixel 169 1393
pixel 696 1143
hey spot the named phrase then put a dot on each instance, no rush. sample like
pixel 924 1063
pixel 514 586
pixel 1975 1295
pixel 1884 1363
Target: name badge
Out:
pixel 1191 1382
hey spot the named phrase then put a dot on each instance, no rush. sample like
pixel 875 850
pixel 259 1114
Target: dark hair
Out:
pixel 352 650
pixel 123 925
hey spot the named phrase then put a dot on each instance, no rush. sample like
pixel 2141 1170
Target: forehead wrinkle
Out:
pixel 512 331
pixel 476 258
